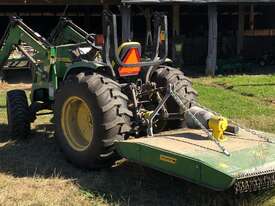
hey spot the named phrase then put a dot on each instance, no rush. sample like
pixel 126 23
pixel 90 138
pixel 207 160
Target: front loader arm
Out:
pixel 67 32
pixel 18 32
pixel 44 59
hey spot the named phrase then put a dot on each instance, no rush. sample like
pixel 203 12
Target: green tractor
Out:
pixel 112 101
pixel 99 97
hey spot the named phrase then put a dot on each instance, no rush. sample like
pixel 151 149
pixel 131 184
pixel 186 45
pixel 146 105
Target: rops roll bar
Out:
pixel 110 22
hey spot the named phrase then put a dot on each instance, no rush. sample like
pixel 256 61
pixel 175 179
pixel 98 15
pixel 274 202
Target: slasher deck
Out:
pixel 191 140
pixel 188 154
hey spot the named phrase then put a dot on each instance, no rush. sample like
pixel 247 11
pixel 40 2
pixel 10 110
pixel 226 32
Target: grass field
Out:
pixel 34 171
pixel 249 100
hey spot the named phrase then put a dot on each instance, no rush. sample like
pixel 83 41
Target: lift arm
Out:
pixel 67 32
pixel 18 32
pixel 44 60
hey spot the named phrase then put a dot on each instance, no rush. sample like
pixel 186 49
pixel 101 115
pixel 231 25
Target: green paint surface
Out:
pixel 208 168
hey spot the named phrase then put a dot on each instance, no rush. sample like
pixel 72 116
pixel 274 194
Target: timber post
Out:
pixel 125 11
pixel 176 27
pixel 211 62
pixel 240 29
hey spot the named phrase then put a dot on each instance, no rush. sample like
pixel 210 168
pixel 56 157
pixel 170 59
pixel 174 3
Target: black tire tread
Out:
pixel 18 114
pixel 113 108
pixel 165 75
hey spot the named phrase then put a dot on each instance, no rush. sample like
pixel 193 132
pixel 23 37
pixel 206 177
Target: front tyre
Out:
pixel 19 115
pixel 91 114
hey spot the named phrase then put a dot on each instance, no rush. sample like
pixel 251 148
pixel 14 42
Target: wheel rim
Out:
pixel 77 123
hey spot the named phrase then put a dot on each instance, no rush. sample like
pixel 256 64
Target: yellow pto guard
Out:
pixel 218 126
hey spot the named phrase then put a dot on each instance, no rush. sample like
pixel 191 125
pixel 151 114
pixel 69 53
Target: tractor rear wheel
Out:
pixel 91 113
pixel 18 113
pixel 164 76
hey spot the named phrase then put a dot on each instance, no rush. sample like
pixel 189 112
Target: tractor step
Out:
pixel 189 154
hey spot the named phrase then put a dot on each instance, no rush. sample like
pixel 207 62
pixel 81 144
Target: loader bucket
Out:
pixel 188 154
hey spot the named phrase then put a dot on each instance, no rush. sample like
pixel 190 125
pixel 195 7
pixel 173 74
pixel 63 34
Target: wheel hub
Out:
pixel 77 123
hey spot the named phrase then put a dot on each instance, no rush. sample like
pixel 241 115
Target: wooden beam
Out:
pixel 252 18
pixel 240 29
pixel 149 38
pixel 176 27
pixel 59 2
pixel 103 26
pixel 125 11
pixel 211 62
pixel 176 20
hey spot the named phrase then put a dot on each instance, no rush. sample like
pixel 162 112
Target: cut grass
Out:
pixel 40 191
pixel 21 180
pixel 252 111
pixel 261 87
pixel 35 172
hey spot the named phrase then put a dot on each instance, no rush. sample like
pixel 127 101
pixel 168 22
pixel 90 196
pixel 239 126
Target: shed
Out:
pixel 247 37
pixel 213 31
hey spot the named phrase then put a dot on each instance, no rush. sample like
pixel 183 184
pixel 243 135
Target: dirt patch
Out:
pixel 39 191
pixel 5 86
pixel 270 101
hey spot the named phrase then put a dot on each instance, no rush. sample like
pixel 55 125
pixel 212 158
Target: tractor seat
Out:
pixel 129 53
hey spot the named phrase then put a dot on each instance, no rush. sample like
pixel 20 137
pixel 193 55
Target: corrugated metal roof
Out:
pixel 58 2
pixel 197 1
pixel 92 2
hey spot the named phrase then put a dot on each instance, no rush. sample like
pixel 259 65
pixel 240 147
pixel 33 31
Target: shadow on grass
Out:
pixel 127 184
pixel 253 85
pixel 231 87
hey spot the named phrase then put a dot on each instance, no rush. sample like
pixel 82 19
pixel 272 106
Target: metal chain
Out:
pixel 261 136
pixel 209 134
pixel 249 182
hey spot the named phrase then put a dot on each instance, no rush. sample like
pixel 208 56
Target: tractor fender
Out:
pixel 168 62
pixel 147 73
pixel 81 66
